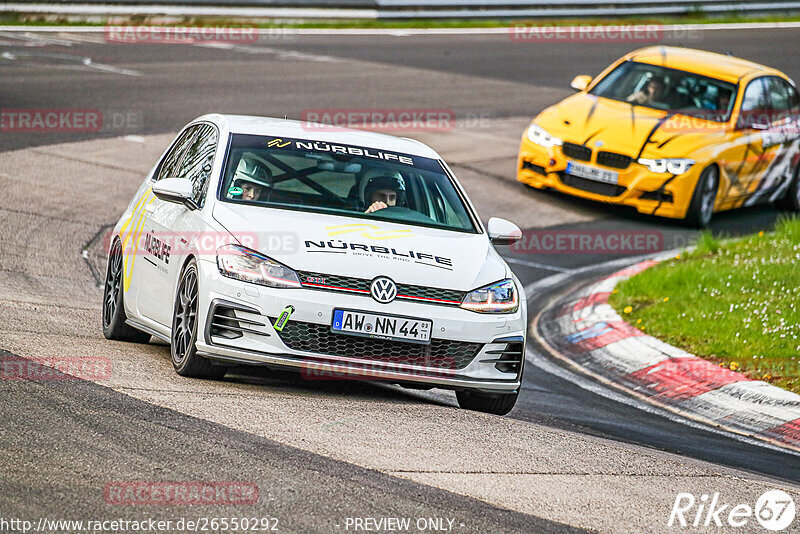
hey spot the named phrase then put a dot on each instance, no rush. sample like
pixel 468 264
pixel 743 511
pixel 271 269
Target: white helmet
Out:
pixel 253 170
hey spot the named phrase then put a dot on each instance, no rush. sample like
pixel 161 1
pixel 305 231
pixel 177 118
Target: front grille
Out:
pixel 318 338
pixel 329 282
pixel 533 167
pixel 223 322
pixel 612 159
pixel 571 150
pixel 591 186
pixel 509 358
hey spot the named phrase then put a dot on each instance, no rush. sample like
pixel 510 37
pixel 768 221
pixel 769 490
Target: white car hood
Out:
pixel 335 245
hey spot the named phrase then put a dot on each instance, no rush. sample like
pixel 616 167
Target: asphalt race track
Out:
pixel 62 440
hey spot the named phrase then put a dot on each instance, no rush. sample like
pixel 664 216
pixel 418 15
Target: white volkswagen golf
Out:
pixel 339 253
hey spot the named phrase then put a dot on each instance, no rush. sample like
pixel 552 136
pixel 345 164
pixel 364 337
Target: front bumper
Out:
pixel 468 350
pixel 651 193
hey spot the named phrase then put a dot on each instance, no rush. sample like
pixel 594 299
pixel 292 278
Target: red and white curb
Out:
pixel 583 330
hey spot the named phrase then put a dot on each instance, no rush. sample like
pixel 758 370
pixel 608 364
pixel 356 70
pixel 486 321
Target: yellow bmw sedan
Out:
pixel 673 132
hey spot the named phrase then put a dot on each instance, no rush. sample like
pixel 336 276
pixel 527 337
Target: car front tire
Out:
pixel 184 330
pixel 701 207
pixel 499 404
pixel 114 325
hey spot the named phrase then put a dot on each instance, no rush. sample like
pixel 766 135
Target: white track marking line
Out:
pixel 87 61
pixel 28 39
pixel 68 62
pixel 280 54
pixel 537 265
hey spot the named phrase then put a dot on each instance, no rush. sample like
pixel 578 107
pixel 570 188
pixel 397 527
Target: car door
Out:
pixel 779 140
pixel 746 159
pixel 138 270
pixel 171 228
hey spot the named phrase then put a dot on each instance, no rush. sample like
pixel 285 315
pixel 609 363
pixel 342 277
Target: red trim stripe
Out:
pixel 337 288
pixel 430 299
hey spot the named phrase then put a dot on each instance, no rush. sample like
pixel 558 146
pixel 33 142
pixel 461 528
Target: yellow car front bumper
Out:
pixel 648 192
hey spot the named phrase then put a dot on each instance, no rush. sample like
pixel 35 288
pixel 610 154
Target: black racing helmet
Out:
pixel 376 179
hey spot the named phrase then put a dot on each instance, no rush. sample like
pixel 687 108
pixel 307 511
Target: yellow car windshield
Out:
pixel 666 89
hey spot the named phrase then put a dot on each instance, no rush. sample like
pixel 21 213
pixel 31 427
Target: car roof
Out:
pixel 273 127
pixel 720 66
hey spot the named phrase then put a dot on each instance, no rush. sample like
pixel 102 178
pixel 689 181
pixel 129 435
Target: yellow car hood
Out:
pixel 601 123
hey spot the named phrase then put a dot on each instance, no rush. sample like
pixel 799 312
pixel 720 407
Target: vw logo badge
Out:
pixel 383 289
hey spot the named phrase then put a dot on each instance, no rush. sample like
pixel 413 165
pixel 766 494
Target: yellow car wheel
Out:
pixel 701 208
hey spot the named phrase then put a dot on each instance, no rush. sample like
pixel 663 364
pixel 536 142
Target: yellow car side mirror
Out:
pixel 581 82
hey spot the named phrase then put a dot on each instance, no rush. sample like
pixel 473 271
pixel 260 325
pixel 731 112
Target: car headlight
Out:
pixel 500 297
pixel 244 264
pixel 542 138
pixel 671 166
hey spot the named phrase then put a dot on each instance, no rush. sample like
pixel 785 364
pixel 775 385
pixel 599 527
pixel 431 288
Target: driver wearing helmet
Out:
pixel 251 179
pixel 382 189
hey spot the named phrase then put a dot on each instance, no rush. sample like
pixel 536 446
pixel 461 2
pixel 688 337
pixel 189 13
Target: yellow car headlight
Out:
pixel 667 165
pixel 540 136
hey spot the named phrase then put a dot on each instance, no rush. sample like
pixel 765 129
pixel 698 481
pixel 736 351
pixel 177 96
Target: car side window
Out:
pixel 198 160
pixel 171 162
pixel 794 98
pixel 755 104
pixel 779 98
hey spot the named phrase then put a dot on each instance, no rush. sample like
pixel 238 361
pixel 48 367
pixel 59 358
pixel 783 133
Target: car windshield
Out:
pixel 363 182
pixel 668 89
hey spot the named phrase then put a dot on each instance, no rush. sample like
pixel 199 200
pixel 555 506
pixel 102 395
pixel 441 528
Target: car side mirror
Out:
pixel 177 190
pixel 581 82
pixel 503 232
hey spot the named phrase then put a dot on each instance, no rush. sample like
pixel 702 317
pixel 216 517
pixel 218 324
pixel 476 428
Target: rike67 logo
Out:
pixel 774 510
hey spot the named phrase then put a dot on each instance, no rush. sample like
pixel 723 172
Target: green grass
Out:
pixel 92 20
pixel 734 302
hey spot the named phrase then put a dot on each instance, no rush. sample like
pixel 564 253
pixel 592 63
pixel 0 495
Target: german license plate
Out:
pixel 393 327
pixel 592 173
